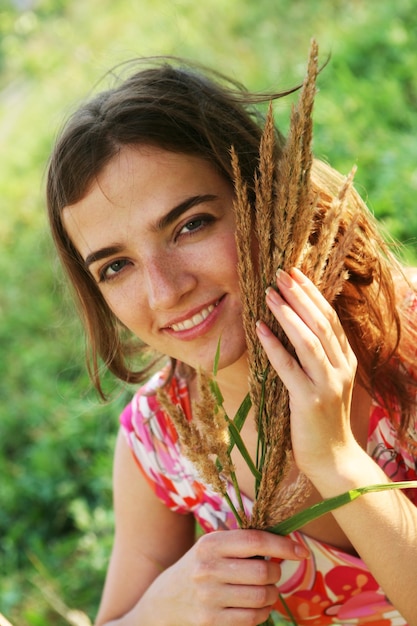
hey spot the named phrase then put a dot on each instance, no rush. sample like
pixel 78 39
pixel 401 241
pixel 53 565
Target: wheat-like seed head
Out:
pixel 285 228
pixel 199 446
pixel 285 221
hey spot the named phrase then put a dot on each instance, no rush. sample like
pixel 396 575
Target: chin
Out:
pixel 233 358
pixel 230 354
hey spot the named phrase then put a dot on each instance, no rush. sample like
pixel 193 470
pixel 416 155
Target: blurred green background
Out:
pixel 56 438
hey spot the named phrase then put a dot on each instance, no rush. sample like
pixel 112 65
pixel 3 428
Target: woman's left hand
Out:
pixel 382 526
pixel 320 383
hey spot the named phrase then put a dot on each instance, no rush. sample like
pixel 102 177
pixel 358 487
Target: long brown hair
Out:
pixel 169 104
pixel 372 306
pixel 181 108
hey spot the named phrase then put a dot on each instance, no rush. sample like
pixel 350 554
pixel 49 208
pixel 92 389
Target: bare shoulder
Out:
pixel 142 520
pixel 405 280
pixel 411 275
pixel 149 537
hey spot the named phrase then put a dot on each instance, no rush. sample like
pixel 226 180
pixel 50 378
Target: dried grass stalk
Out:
pixel 286 210
pixel 293 214
pixel 324 261
pixel 196 446
pixel 205 441
pixel 290 226
pixel 287 227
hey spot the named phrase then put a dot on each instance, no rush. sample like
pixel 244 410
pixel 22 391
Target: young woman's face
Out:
pixel 156 231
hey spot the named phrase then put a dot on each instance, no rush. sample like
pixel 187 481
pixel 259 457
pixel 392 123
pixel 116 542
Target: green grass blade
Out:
pixel 287 609
pixel 261 448
pixel 330 504
pixel 215 389
pixel 238 441
pixel 242 412
pixel 216 359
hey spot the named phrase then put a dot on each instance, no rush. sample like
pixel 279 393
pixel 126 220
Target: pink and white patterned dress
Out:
pixel 332 587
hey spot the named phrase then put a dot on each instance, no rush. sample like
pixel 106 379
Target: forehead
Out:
pixel 136 168
pixel 136 188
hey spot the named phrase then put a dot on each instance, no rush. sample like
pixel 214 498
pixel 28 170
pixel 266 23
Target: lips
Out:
pixel 195 319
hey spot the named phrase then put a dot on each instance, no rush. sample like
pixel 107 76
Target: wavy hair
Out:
pixel 182 108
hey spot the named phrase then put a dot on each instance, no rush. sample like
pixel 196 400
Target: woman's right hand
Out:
pixel 159 575
pixel 218 581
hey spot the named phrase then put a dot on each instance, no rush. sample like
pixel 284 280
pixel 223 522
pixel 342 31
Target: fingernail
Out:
pixel 297 274
pixel 272 295
pixel 284 278
pixel 301 551
pixel 262 328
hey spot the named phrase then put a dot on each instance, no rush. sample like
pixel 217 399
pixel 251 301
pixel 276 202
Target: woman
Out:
pixel 140 195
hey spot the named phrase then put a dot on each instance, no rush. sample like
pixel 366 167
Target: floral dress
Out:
pixel 331 587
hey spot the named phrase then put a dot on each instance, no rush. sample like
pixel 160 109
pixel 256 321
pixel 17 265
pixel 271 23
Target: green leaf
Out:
pixel 330 504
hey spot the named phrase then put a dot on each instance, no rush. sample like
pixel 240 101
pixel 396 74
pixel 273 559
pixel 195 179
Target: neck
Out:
pixel 233 383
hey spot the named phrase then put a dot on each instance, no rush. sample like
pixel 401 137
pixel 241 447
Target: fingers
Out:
pixel 308 319
pixel 242 617
pixel 316 311
pixel 312 327
pixel 256 596
pixel 246 544
pixel 229 557
pixel 224 569
pixel 320 378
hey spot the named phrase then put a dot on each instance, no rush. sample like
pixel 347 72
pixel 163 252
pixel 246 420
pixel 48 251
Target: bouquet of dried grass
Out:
pixel 280 229
pixel 284 230
pixel 284 225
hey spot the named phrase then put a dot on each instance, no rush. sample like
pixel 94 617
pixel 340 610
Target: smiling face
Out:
pixel 156 230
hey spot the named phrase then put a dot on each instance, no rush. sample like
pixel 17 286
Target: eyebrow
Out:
pixel 103 253
pixel 161 224
pixel 181 208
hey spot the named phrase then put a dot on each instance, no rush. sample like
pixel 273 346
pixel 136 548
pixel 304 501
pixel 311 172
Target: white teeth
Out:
pixel 194 320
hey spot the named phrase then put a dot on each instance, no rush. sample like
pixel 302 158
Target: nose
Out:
pixel 166 282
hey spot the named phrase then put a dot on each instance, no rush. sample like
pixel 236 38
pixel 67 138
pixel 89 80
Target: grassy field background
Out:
pixel 56 438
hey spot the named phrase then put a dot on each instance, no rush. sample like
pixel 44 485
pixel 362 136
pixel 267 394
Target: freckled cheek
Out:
pixel 226 253
pixel 130 308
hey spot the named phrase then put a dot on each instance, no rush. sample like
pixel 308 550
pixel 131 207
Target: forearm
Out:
pixel 216 582
pixel 144 613
pixel 381 526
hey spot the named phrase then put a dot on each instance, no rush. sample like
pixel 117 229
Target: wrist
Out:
pixel 346 468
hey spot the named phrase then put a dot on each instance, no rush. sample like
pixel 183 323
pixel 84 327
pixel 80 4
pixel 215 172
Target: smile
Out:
pixel 195 319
